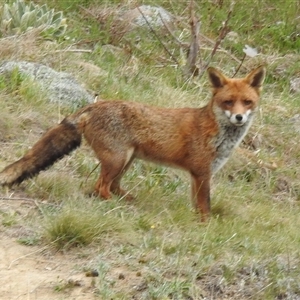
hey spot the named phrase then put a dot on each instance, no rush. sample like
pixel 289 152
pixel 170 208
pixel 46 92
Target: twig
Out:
pixel 17 199
pixel 88 176
pixel 132 188
pixel 191 67
pixel 222 35
pixel 238 68
pixel 74 50
pixel 157 37
pixel 181 44
pixel 262 289
pixel 220 49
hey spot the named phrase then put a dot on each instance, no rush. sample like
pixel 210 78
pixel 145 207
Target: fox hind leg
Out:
pixel 113 167
pixel 115 185
pixel 109 171
pixel 116 188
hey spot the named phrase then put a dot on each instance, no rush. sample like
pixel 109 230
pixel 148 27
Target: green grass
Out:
pixel 155 247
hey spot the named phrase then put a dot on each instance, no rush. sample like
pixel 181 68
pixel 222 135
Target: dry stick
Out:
pixel 17 199
pixel 220 49
pixel 157 37
pixel 88 176
pixel 186 45
pixel 262 289
pixel 132 188
pixel 181 44
pixel 238 68
pixel 191 67
pixel 220 38
pixel 74 50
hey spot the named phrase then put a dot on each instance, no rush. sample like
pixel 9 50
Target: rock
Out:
pixel 60 87
pixel 155 15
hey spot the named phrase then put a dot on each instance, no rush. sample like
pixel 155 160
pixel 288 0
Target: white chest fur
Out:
pixel 228 138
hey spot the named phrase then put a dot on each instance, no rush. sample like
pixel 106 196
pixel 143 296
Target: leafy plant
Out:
pixel 18 17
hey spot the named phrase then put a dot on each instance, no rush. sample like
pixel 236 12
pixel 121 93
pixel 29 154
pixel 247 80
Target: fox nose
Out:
pixel 239 117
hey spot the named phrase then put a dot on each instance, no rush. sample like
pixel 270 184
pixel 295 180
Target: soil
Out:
pixel 38 272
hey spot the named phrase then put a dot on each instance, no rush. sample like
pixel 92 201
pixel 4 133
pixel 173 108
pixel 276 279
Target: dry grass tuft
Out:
pixel 23 47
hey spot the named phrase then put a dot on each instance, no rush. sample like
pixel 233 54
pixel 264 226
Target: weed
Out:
pixel 29 241
pixel 8 218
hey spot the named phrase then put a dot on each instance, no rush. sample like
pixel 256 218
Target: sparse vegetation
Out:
pixel 155 248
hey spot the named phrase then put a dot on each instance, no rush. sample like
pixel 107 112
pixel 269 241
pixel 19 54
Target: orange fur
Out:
pixel 198 140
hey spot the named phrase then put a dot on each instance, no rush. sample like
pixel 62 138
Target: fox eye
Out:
pixel 228 103
pixel 247 102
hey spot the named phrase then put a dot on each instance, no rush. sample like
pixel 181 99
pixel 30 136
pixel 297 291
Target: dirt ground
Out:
pixel 27 273
pixel 38 272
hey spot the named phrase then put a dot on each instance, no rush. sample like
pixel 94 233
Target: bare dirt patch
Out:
pixel 39 272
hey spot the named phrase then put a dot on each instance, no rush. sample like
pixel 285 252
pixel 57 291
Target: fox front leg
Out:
pixel 201 195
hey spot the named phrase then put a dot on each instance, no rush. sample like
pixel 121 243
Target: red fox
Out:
pixel 198 140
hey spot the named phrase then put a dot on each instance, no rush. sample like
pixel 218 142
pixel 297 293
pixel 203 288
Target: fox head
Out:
pixel 235 99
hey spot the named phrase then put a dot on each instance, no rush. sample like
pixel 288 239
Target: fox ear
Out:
pixel 256 77
pixel 217 79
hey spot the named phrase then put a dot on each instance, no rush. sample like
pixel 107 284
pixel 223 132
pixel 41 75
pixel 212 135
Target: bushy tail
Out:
pixel 53 145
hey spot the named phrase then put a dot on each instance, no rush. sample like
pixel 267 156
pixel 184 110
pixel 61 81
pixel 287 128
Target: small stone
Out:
pixel 92 273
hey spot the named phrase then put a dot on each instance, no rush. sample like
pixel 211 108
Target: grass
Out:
pixel 155 247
